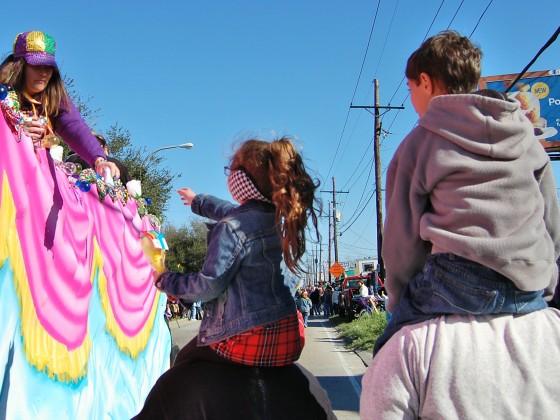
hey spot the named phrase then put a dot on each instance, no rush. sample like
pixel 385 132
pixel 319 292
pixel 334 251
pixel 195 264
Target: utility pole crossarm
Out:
pixel 376 107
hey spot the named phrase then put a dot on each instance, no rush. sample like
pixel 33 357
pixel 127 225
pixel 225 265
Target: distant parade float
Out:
pixel 83 332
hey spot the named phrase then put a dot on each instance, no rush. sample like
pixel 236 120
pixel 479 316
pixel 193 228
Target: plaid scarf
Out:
pixel 242 188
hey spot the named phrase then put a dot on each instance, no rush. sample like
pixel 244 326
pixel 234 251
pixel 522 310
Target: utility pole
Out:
pixel 377 159
pixel 334 224
pixel 322 275
pixel 330 248
pixel 335 232
pixel 316 265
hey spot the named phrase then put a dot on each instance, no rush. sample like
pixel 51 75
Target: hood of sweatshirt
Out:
pixel 482 125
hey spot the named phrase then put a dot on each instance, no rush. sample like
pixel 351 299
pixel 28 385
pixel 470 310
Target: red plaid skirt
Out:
pixel 279 343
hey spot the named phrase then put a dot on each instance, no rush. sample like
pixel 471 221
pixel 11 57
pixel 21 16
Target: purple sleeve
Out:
pixel 70 125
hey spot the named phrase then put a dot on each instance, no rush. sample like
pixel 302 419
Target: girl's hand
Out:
pixel 187 195
pixel 155 277
pixel 34 128
pixel 158 286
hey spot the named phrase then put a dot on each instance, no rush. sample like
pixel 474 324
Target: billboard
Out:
pixel 538 93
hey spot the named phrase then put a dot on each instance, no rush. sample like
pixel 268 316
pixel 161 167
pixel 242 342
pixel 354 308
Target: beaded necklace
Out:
pixel 15 117
pixel 11 108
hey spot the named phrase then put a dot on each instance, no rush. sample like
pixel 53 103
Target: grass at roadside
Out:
pixel 361 333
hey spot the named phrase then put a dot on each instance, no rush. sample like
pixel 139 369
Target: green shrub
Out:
pixel 361 333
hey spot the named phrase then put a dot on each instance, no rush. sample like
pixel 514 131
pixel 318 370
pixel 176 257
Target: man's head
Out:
pixel 102 142
pixel 445 63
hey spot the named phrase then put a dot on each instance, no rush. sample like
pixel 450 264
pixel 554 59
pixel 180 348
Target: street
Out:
pixel 338 370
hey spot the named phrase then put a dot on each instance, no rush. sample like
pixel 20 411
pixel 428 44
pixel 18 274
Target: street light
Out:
pixel 179 146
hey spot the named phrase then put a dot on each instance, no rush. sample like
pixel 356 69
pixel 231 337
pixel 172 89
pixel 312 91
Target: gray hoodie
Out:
pixel 471 179
pixel 469 368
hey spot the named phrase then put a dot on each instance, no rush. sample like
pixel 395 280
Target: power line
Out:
pixel 386 38
pixel 367 49
pixel 544 47
pixel 361 211
pixel 357 166
pixel 355 89
pixel 425 36
pixel 352 219
pixel 455 15
pixel 480 18
pixel 358 209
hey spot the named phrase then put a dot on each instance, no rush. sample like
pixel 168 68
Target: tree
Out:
pixel 187 246
pixel 157 181
pixel 88 113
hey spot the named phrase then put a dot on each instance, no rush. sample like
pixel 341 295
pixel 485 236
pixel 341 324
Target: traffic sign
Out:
pixel 336 269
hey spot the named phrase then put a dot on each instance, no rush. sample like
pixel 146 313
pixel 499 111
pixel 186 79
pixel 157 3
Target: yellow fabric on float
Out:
pixel 129 345
pixel 41 350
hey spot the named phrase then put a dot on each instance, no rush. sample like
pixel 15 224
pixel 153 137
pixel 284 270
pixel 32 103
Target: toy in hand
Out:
pixel 154 246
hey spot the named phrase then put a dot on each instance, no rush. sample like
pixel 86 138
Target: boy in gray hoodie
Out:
pixel 472 218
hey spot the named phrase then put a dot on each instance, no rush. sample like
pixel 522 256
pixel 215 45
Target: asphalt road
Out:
pixel 338 370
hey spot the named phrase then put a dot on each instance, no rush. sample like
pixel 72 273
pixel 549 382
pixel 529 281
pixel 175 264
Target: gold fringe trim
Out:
pixel 132 346
pixel 41 349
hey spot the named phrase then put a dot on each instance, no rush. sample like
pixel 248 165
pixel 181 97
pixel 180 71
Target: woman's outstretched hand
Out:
pixel 102 164
pixel 187 195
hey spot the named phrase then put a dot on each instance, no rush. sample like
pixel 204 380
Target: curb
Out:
pixel 366 356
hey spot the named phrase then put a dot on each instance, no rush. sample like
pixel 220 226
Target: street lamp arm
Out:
pixel 180 146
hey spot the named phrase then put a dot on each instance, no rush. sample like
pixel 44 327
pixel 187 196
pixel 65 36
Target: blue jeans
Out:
pixel 195 310
pixel 450 284
pixel 305 318
pixel 316 309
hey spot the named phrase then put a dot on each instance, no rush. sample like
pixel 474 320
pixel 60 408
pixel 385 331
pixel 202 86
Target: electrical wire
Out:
pixel 356 87
pixel 357 166
pixel 455 15
pixel 350 221
pixel 355 216
pixel 544 47
pixel 480 18
pixel 370 198
pixel 386 38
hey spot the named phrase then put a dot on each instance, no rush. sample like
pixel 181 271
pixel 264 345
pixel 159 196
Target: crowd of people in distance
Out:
pixel 316 301
pixel 321 300
pixel 179 310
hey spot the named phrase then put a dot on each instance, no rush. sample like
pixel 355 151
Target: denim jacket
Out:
pixel 304 305
pixel 241 281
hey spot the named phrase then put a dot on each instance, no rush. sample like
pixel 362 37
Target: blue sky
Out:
pixel 216 71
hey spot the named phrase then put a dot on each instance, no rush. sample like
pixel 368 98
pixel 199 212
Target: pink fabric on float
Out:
pixel 57 226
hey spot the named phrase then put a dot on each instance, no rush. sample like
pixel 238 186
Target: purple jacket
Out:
pixel 70 125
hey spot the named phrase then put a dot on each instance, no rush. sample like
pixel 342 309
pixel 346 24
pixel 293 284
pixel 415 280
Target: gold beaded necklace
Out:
pixel 49 139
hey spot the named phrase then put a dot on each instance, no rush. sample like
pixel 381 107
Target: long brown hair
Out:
pixel 279 173
pixel 54 97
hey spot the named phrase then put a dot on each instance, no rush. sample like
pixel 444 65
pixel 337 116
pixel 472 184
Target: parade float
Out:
pixel 83 334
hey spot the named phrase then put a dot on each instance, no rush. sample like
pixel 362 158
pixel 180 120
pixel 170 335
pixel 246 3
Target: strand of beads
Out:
pixel 10 107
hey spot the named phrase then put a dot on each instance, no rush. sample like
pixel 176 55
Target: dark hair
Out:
pixel 491 93
pixel 54 97
pixel 452 60
pixel 100 139
pixel 279 174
